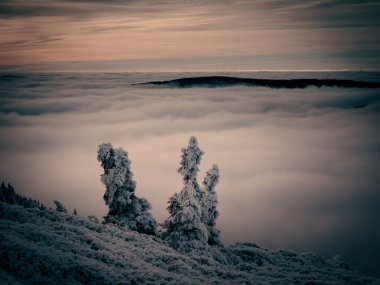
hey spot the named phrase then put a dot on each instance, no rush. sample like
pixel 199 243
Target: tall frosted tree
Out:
pixel 184 228
pixel 125 208
pixel 210 203
pixel 189 167
pixel 190 160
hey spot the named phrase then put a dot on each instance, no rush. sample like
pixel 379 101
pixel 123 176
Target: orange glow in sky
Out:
pixel 189 35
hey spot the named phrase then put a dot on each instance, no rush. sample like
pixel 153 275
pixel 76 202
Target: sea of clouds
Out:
pixel 299 168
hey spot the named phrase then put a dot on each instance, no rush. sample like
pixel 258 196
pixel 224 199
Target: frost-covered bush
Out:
pixel 125 208
pixel 93 219
pixel 191 224
pixel 59 207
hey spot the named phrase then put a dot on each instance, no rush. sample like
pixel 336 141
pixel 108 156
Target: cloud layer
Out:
pixel 299 168
pixel 189 35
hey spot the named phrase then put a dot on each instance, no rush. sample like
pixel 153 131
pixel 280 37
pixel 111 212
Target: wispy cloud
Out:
pixel 130 30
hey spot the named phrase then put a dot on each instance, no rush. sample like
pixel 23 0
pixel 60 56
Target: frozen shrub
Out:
pixel 59 207
pixel 93 219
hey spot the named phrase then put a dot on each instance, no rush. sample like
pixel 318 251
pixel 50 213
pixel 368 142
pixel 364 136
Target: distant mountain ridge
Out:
pixel 225 81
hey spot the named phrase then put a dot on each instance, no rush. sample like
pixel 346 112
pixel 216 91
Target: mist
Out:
pixel 299 168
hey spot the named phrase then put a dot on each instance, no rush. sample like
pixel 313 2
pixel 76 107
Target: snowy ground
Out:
pixel 49 247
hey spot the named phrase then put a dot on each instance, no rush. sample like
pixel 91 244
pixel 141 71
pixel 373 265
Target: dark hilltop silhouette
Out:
pixel 225 81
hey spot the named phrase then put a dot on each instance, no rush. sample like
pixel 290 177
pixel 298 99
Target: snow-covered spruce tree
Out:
pixel 190 160
pixel 189 167
pixel 184 228
pixel 210 203
pixel 125 208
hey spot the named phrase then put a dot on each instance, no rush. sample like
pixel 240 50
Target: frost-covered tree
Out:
pixel 59 207
pixel 8 195
pixel 190 160
pixel 210 203
pixel 184 228
pixel 125 208
pixel 189 167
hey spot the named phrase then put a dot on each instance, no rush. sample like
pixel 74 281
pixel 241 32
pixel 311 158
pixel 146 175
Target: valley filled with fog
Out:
pixel 298 168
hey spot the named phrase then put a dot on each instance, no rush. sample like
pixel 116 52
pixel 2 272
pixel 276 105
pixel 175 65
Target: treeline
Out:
pixel 8 195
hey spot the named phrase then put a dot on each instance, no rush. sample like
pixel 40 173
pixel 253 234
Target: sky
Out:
pixel 127 35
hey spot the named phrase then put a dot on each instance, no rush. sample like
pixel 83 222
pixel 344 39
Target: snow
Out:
pixel 184 229
pixel 191 158
pixel 125 208
pixel 210 202
pixel 191 224
pixel 42 246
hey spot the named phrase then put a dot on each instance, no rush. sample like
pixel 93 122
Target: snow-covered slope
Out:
pixel 49 247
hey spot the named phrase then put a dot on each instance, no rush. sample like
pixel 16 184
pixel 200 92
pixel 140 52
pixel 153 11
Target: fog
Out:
pixel 299 168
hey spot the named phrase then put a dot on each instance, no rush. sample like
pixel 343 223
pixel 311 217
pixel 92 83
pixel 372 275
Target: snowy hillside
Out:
pixel 41 246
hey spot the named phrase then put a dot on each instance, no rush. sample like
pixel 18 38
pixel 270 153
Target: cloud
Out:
pixel 316 13
pixel 298 167
pixel 234 34
pixel 11 8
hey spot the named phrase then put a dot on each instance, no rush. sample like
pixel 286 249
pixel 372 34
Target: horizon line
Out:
pixel 192 71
